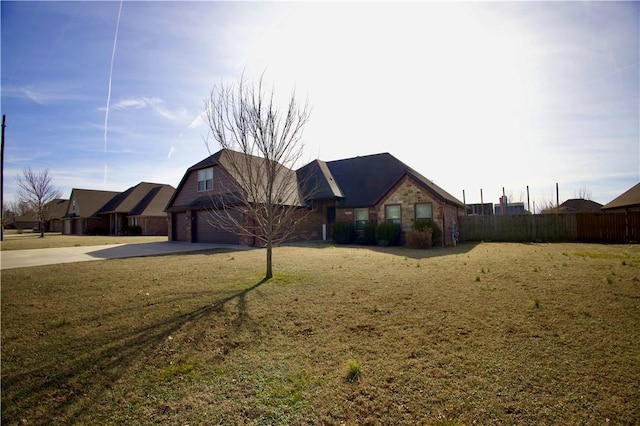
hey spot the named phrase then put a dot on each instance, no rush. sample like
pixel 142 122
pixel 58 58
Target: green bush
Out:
pixel 343 232
pixel 368 237
pixel 423 224
pixel 388 234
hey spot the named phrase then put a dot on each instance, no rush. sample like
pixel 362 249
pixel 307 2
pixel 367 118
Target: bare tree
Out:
pixel 263 146
pixel 36 190
pixel 584 193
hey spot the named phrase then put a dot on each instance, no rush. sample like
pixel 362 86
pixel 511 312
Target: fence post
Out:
pixel 533 228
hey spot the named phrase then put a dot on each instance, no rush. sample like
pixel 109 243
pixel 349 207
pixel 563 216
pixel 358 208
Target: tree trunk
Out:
pixel 269 273
pixel 41 229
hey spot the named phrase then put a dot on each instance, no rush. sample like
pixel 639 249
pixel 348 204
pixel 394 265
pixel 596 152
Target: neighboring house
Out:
pixel 109 212
pixel 479 209
pixel 27 222
pixel 55 210
pixel 373 188
pixel 580 205
pixel 141 205
pixel 509 209
pixel 82 212
pixel 629 201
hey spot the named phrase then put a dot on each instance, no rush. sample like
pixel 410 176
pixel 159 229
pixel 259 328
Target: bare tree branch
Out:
pixel 36 190
pixel 262 146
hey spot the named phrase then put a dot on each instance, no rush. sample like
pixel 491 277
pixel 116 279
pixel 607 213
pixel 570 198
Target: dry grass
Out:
pixel 33 241
pixel 489 333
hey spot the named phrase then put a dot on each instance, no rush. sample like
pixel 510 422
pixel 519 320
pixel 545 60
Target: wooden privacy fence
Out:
pixel 583 227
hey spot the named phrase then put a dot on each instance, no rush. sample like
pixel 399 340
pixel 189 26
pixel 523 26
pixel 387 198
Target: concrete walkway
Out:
pixel 24 258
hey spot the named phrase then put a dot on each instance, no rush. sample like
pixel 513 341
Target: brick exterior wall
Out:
pixel 151 225
pixel 348 215
pixel 310 228
pixel 407 193
pixel 222 183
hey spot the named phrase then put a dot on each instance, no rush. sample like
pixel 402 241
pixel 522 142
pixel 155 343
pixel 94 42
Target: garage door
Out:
pixel 180 227
pixel 209 233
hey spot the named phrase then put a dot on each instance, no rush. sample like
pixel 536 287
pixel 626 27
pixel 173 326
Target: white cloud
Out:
pixel 40 95
pixel 198 121
pixel 157 105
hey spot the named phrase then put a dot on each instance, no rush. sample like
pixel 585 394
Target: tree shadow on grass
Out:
pixel 64 390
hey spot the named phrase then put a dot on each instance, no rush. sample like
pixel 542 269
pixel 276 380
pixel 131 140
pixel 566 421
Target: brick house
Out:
pixel 214 183
pixel 55 210
pixel 109 212
pixel 141 205
pixel 373 188
pixel 381 188
pixel 82 212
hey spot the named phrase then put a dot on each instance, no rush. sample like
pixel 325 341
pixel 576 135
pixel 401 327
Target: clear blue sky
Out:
pixel 472 95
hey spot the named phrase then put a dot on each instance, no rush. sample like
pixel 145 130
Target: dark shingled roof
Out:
pixel 365 180
pixel 135 200
pixel 89 201
pixel 318 182
pixel 57 208
pixel 580 205
pixel 353 182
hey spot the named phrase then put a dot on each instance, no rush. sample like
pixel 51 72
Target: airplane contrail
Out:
pixel 106 114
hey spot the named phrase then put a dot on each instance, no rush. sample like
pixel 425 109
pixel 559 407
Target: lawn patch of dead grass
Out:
pixel 198 338
pixel 33 241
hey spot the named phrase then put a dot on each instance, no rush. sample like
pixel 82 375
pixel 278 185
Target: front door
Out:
pixel 331 214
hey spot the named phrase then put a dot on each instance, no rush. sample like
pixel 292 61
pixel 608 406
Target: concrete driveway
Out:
pixel 23 258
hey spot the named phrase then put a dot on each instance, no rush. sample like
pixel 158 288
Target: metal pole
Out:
pixel 4 118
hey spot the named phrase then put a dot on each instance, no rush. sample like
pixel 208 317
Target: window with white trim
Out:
pixel 393 214
pixel 361 217
pixel 423 211
pixel 205 179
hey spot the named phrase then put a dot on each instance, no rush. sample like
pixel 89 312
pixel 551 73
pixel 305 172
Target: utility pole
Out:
pixel 4 118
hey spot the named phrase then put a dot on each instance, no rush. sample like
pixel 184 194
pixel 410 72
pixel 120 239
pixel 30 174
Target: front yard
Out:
pixel 13 241
pixel 487 333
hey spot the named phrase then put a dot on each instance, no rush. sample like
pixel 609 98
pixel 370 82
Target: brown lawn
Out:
pixel 33 241
pixel 485 334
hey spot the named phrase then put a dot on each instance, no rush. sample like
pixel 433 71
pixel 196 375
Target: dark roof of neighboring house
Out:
pixel 629 198
pixel 57 208
pixel 90 201
pixel 580 205
pixel 365 180
pixel 140 200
